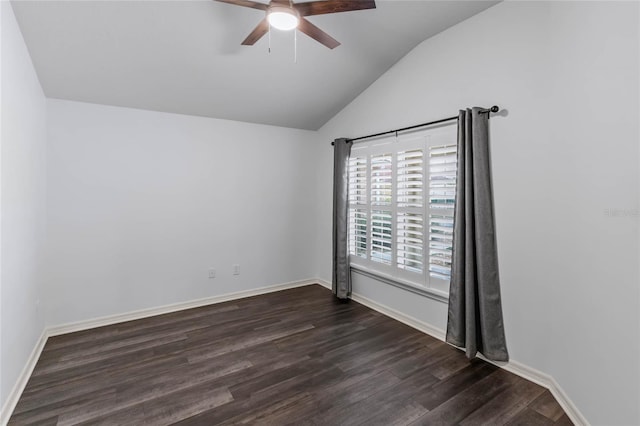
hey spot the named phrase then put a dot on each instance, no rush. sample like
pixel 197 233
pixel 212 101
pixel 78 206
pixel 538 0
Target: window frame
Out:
pixel 421 283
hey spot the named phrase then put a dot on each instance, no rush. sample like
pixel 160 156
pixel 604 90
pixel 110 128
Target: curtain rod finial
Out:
pixel 495 108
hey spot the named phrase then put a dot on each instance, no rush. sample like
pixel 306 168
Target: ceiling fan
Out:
pixel 286 15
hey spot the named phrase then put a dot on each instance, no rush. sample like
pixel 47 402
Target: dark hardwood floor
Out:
pixel 291 357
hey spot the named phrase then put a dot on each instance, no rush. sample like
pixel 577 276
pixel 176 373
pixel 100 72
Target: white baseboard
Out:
pixel 23 378
pixel 174 307
pixel 514 367
pixel 18 388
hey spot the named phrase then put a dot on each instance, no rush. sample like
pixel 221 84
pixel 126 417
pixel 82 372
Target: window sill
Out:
pixel 400 283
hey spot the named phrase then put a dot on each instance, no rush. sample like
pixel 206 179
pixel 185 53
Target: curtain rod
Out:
pixel 494 108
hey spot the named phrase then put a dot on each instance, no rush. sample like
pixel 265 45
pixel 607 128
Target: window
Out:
pixel 401 201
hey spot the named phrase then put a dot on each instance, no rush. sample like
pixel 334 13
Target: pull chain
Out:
pixel 295 39
pixel 269 37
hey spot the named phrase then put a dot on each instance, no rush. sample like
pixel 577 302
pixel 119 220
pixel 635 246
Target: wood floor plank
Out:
pixel 290 357
pixel 279 413
pixel 564 420
pixel 207 314
pixel 164 410
pixel 429 357
pixel 469 399
pixel 546 405
pixel 446 389
pixel 505 405
pixel 65 364
pixel 391 403
pixel 529 417
pixel 60 391
pixel 86 403
pixel 331 402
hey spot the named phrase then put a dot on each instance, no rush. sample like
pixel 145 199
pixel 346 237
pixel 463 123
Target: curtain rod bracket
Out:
pixel 493 109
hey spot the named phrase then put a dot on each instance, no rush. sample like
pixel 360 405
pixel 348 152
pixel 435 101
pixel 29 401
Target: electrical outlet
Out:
pixel 236 269
pixel 212 273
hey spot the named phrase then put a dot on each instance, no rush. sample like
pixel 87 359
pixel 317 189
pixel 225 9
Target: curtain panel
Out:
pixel 341 276
pixel 475 319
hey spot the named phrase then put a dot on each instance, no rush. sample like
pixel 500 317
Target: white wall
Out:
pixel 565 154
pixel 22 203
pixel 142 203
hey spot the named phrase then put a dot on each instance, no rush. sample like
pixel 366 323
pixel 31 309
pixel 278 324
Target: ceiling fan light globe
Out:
pixel 283 20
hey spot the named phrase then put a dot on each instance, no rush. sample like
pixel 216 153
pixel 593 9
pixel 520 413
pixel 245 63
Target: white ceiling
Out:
pixel 185 56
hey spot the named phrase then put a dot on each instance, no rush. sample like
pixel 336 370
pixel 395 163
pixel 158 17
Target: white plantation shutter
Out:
pixel 381 236
pixel 358 180
pixel 358 232
pixel 410 165
pixel 410 241
pixel 410 205
pixel 401 202
pixel 381 180
pixel 442 192
pixel 381 198
pixel 358 206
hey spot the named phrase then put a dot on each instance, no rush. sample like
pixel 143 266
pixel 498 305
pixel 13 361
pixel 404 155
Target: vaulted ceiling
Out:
pixel 185 56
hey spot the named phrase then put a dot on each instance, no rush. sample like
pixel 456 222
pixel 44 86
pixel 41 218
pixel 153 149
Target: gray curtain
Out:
pixel 475 310
pixel 341 278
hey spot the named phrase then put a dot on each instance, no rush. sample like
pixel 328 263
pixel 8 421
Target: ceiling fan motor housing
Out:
pixel 283 9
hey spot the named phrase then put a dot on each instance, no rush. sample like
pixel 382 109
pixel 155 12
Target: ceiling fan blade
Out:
pixel 261 29
pixel 333 6
pixel 246 3
pixel 317 34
